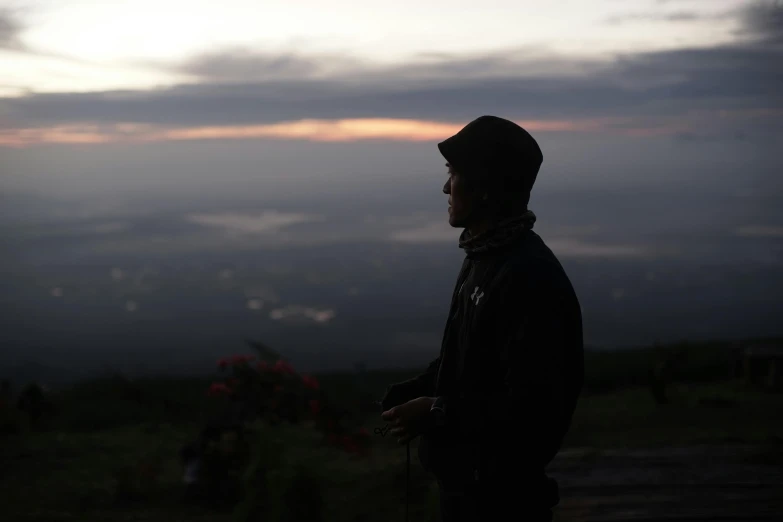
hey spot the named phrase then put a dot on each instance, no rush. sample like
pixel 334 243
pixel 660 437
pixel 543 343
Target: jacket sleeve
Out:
pixel 420 386
pixel 524 413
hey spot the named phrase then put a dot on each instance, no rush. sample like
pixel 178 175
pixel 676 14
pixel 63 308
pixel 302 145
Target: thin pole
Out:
pixel 407 481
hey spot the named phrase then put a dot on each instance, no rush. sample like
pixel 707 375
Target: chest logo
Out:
pixel 476 296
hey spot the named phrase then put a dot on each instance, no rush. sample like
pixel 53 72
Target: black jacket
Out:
pixel 509 373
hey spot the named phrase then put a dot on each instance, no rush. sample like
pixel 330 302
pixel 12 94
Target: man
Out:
pixel 494 407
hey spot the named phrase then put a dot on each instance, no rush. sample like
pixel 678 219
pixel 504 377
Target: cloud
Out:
pixel 244 65
pixel 440 231
pixel 674 16
pixel 111 227
pixel 637 85
pixel 340 130
pixel 268 222
pixel 298 313
pixel 580 249
pixel 763 231
pixel 666 92
pixel 435 232
pixel 10 30
pixel 764 22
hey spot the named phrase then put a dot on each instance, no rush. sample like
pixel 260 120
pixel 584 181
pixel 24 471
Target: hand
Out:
pixel 396 394
pixel 408 419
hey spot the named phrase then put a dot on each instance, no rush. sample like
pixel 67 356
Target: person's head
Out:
pixel 493 164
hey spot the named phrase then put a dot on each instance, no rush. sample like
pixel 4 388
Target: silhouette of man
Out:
pixel 494 407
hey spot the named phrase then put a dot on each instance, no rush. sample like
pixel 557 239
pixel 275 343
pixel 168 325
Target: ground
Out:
pixel 714 453
pixel 716 483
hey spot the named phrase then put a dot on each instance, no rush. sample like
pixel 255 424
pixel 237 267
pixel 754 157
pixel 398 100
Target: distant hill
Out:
pixel 605 369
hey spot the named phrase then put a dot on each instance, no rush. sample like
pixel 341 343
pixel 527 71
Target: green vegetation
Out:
pixel 111 450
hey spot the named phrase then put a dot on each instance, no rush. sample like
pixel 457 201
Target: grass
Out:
pixel 72 475
pixel 630 418
pixel 71 470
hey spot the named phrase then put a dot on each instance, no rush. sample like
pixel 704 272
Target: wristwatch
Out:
pixel 438 413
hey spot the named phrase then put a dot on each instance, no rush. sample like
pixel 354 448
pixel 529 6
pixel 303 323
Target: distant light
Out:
pixel 57 292
pixel 323 316
pixel 255 304
pixel 618 294
pixel 131 306
pixel 293 312
pixel 262 293
pixel 225 274
pixel 117 274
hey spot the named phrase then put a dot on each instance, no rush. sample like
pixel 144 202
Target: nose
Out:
pixel 447 187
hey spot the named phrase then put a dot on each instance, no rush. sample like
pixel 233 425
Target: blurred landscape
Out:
pixel 160 203
pixel 180 181
pixel 715 447
pixel 169 285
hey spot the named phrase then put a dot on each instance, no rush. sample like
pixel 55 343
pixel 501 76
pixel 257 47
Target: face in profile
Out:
pixel 463 200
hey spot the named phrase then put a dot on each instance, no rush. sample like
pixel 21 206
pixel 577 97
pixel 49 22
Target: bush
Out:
pixel 303 499
pixel 259 394
pixel 11 420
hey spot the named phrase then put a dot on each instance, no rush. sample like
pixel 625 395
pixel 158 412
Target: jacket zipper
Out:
pixel 453 311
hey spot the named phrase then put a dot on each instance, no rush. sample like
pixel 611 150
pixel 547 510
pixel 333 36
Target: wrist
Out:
pixel 438 412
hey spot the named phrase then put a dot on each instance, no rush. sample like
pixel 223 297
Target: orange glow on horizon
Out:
pixel 324 130
pixel 344 130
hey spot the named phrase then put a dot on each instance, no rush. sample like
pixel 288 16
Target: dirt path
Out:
pixel 706 483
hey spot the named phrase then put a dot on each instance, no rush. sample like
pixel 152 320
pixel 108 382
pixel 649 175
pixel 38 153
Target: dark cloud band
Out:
pixel 244 88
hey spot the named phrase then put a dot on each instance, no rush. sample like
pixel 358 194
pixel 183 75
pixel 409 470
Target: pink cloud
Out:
pixel 359 129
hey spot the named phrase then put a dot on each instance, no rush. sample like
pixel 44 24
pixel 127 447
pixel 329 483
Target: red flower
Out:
pixel 148 471
pixel 283 367
pixel 222 363
pixel 363 432
pixel 315 407
pixel 350 445
pixel 241 359
pixel 310 382
pixel 218 388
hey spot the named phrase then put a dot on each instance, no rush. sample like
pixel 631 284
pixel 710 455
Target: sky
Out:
pixel 92 72
pixel 172 133
pixel 110 105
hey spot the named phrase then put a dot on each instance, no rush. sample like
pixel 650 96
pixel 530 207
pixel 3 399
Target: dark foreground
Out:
pixel 724 483
pixel 713 452
pixel 702 483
